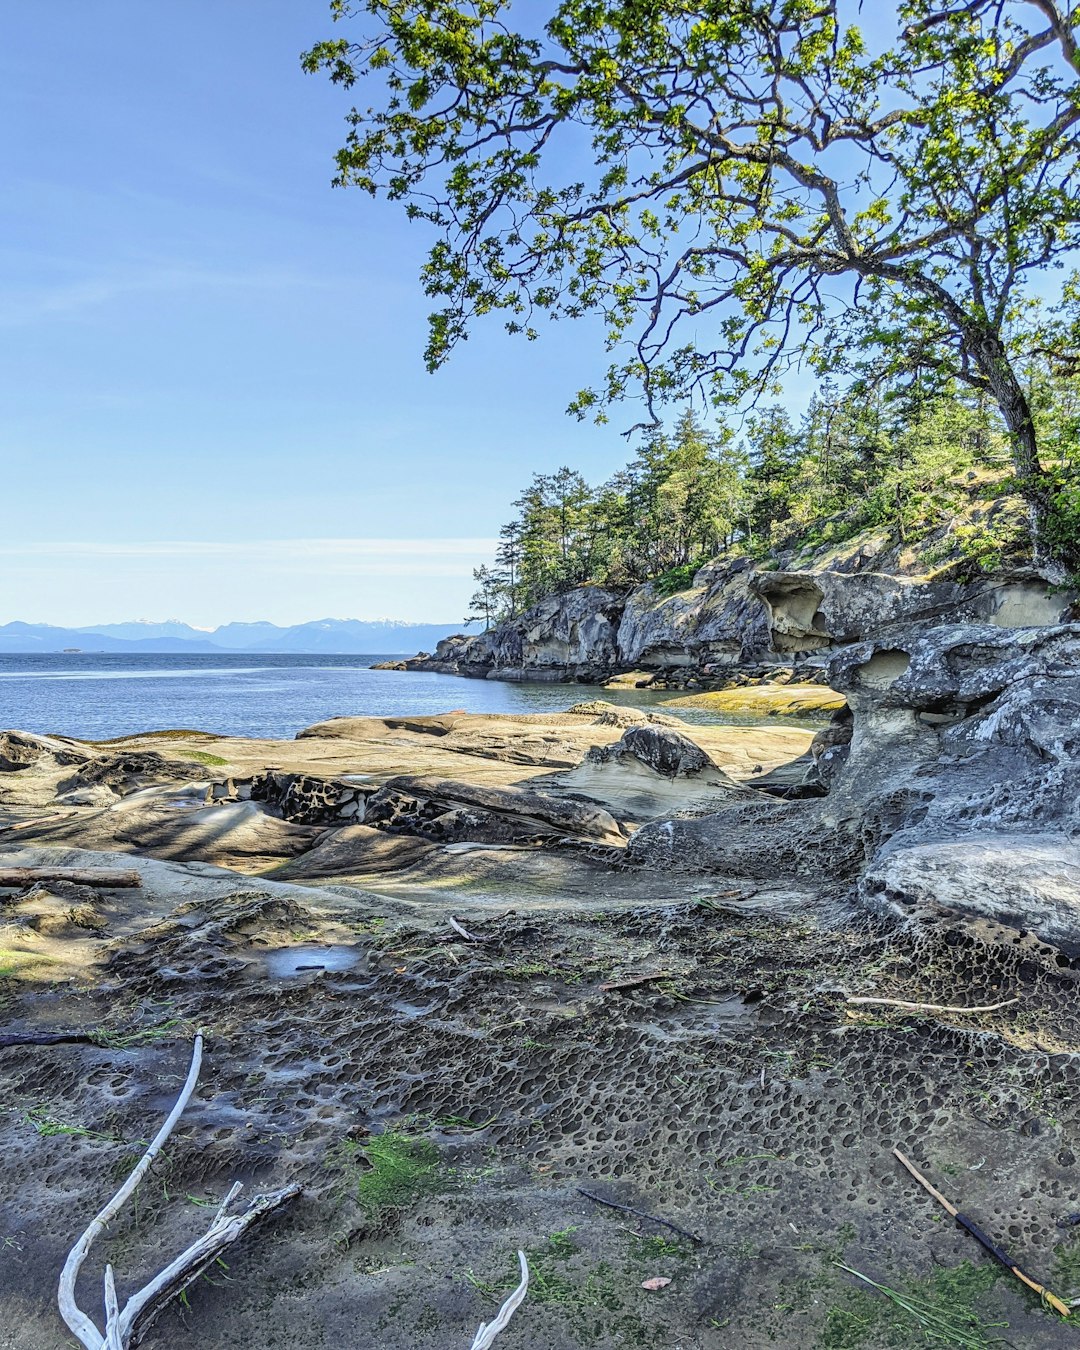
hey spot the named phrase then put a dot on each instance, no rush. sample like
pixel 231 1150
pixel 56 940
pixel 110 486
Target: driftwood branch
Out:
pixel 125 1327
pixel 485 1336
pixel 462 930
pixel 114 879
pixel 143 1307
pixel 934 1007
pixel 46 1038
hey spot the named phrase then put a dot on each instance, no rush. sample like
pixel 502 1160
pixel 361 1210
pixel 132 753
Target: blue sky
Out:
pixel 212 399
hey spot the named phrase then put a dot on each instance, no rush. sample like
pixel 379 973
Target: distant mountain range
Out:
pixel 386 637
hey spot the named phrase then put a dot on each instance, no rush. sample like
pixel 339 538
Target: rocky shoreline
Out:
pixel 740 623
pixel 512 958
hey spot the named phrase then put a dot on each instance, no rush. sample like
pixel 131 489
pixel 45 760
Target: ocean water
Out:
pixel 96 697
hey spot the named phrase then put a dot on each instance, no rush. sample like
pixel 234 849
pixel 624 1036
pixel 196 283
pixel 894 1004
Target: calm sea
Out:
pixel 100 696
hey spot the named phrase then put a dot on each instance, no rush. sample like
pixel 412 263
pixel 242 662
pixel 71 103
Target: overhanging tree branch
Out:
pixel 749 162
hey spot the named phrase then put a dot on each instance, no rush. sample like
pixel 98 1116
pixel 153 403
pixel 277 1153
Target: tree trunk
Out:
pixel 989 354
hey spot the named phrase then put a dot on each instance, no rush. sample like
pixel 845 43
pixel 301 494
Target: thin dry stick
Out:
pixel 640 1213
pixel 934 1007
pixel 460 928
pixel 487 1332
pixel 998 1253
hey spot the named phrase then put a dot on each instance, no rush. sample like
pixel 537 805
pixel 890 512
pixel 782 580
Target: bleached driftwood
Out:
pixel 125 1327
pixel 109 879
pixel 933 1007
pixel 485 1337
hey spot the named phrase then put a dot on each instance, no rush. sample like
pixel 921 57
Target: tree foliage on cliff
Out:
pixel 733 185
pixel 896 464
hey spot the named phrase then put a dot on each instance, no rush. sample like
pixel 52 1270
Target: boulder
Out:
pixel 652 771
pixel 1025 881
pixel 661 750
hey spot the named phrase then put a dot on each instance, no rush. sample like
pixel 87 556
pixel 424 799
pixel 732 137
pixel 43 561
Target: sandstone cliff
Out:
pixel 741 614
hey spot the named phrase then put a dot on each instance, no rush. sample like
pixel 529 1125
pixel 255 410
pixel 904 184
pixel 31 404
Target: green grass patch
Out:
pixel 403 1169
pixel 129 1040
pixel 201 757
pixel 48 1125
pixel 937 1311
pixel 652 1249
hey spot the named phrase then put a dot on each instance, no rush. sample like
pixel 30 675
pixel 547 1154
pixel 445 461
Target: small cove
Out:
pixel 98 697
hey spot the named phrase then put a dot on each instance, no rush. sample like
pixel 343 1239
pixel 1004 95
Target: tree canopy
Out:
pixel 734 185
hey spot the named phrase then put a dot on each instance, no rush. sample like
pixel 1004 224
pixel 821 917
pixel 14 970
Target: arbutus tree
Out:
pixel 736 185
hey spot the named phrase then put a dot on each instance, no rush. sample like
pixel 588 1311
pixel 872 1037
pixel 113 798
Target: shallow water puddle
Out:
pixel 722 1015
pixel 290 961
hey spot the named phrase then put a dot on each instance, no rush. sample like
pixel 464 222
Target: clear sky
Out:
pixel 212 399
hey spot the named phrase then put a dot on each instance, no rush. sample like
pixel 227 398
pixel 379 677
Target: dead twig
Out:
pixel 998 1253
pixel 933 1007
pixel 632 981
pixel 641 1214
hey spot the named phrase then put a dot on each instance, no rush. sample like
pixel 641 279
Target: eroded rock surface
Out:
pixel 459 779
pixel 20 750
pixel 963 740
pixel 666 752
pixel 691 1056
pixel 666 1023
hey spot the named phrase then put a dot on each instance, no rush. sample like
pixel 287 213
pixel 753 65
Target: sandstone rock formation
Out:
pixel 652 772
pixel 737 614
pixel 959 788
pixel 439 808
pixel 20 750
pixel 487 971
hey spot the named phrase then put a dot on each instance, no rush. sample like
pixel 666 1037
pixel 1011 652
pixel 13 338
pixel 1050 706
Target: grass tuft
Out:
pixel 937 1312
